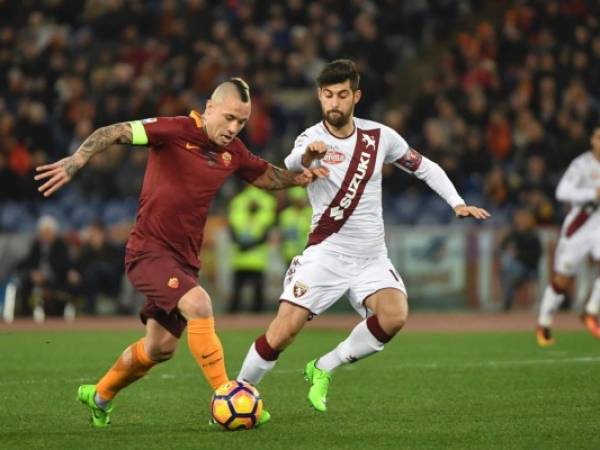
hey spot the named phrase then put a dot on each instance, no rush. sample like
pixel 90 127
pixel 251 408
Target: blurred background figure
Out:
pixel 294 224
pixel 252 215
pixel 46 276
pixel 100 265
pixel 520 252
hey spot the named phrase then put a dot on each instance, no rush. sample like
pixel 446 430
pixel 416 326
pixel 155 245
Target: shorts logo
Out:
pixel 173 283
pixel 226 158
pixel 300 289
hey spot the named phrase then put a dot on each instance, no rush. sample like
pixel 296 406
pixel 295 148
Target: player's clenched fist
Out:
pixel 314 151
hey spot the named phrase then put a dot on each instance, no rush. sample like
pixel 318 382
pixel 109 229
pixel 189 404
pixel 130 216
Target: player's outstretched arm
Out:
pixel 463 211
pixel 275 178
pixel 61 172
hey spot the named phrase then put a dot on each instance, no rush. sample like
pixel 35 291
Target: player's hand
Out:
pixel 463 211
pixel 314 151
pixel 320 172
pixel 304 178
pixel 57 174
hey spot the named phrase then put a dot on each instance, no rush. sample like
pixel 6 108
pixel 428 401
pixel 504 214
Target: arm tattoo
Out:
pixel 275 178
pixel 98 141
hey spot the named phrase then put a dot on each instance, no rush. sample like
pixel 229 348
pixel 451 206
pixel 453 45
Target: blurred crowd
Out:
pixel 68 67
pixel 506 107
pixel 510 105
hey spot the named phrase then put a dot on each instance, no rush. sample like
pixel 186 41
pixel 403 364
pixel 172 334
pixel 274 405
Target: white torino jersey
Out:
pixel 347 213
pixel 579 186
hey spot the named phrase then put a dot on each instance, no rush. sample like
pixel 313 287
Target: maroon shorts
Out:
pixel 163 280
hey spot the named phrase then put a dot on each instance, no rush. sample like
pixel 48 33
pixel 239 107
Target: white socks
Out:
pixel 593 304
pixel 550 303
pixel 359 344
pixel 254 367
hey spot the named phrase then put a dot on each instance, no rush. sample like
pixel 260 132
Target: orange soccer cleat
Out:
pixel 591 323
pixel 543 336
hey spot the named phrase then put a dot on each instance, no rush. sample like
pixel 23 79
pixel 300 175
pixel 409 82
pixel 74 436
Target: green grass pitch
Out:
pixel 425 391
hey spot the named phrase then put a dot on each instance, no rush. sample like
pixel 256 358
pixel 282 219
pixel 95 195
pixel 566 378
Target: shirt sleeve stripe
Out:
pixel 139 136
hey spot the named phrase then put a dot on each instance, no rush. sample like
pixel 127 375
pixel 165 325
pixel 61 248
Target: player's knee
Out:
pixel 560 283
pixel 195 305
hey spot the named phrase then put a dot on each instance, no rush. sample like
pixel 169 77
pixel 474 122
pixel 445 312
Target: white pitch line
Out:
pixel 432 365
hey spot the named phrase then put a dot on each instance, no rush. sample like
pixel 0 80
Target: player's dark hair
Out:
pixel 242 87
pixel 339 71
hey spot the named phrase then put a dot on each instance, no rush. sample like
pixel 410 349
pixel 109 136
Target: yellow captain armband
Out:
pixel 138 134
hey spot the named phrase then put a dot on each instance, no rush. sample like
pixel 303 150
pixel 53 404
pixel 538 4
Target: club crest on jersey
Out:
pixel 334 157
pixel 226 158
pixel 173 283
pixel 299 289
pixel 368 141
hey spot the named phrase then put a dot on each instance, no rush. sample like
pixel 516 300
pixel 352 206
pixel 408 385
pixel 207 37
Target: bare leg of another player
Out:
pixel 390 309
pixel 554 295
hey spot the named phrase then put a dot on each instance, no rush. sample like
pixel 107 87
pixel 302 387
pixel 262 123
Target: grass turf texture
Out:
pixel 460 391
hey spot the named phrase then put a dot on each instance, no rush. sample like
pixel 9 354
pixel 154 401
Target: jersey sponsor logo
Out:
pixel 337 212
pixel 226 158
pixel 411 160
pixel 173 282
pixel 334 157
pixel 299 289
pixel 190 146
pixel 360 170
pixel 149 120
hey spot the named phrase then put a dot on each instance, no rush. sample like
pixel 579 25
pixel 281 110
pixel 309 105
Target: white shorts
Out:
pixel 318 278
pixel 571 251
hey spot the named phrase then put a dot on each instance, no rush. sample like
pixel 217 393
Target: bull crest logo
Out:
pixel 300 289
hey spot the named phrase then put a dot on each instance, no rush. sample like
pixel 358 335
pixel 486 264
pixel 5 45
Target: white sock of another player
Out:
pixel 365 339
pixel 260 360
pixel 550 303
pixel 593 304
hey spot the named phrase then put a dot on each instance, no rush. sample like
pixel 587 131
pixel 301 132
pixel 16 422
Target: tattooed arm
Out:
pixel 61 172
pixel 275 178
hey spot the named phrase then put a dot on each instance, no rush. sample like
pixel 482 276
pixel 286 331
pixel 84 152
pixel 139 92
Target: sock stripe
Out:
pixel 265 351
pixel 375 328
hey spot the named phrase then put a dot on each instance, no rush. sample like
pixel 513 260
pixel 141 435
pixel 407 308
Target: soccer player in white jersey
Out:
pixel 579 238
pixel 346 252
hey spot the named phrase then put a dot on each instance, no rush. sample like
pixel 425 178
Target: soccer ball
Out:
pixel 236 405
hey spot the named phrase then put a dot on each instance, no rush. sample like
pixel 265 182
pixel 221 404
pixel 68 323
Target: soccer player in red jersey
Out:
pixel 190 158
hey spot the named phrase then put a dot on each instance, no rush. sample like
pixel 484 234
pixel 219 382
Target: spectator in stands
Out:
pixel 47 278
pixel 520 252
pixel 252 215
pixel 100 265
pixel 294 224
